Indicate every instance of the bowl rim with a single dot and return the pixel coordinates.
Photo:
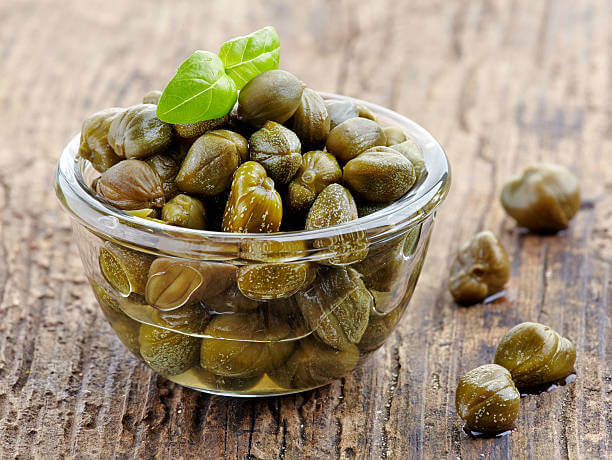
(159, 238)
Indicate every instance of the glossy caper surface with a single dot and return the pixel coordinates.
(487, 400)
(278, 149)
(354, 136)
(535, 354)
(125, 269)
(185, 211)
(94, 144)
(311, 121)
(481, 268)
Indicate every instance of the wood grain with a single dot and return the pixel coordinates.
(501, 84)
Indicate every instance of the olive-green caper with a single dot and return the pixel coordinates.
(277, 149)
(340, 111)
(487, 400)
(245, 344)
(379, 176)
(365, 112)
(210, 163)
(394, 135)
(125, 270)
(193, 130)
(273, 95)
(131, 184)
(152, 97)
(382, 268)
(196, 377)
(311, 120)
(314, 364)
(543, 199)
(272, 281)
(184, 211)
(166, 351)
(481, 268)
(335, 205)
(166, 168)
(365, 208)
(230, 301)
(253, 206)
(318, 169)
(354, 136)
(137, 132)
(380, 327)
(535, 354)
(412, 152)
(94, 144)
(172, 283)
(337, 306)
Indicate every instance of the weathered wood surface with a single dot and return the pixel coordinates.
(501, 84)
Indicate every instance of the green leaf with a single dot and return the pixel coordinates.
(200, 90)
(248, 56)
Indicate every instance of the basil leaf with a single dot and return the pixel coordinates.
(200, 90)
(248, 56)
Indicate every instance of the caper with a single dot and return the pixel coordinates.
(412, 152)
(314, 364)
(365, 208)
(94, 144)
(172, 283)
(137, 132)
(337, 306)
(340, 111)
(230, 301)
(131, 184)
(125, 269)
(481, 268)
(273, 95)
(335, 205)
(210, 163)
(277, 149)
(394, 135)
(487, 400)
(200, 378)
(245, 344)
(543, 199)
(354, 136)
(253, 206)
(311, 120)
(535, 354)
(317, 170)
(185, 211)
(193, 130)
(380, 327)
(272, 281)
(382, 268)
(166, 351)
(152, 97)
(379, 176)
(166, 168)
(365, 112)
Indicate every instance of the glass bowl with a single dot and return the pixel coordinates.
(255, 314)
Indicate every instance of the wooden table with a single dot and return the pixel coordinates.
(501, 84)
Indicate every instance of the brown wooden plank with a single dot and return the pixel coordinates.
(501, 84)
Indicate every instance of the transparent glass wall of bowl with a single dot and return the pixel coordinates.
(253, 314)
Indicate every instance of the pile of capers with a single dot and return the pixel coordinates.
(283, 159)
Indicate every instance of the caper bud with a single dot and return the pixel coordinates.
(254, 206)
(138, 133)
(354, 136)
(131, 184)
(379, 176)
(245, 344)
(152, 97)
(487, 400)
(278, 150)
(193, 130)
(412, 152)
(365, 208)
(172, 283)
(125, 269)
(337, 307)
(364, 112)
(311, 120)
(394, 135)
(171, 353)
(230, 301)
(210, 163)
(125, 327)
(314, 364)
(166, 168)
(272, 281)
(535, 354)
(273, 95)
(196, 377)
(481, 268)
(380, 327)
(185, 211)
(383, 265)
(340, 111)
(317, 170)
(94, 144)
(543, 199)
(335, 205)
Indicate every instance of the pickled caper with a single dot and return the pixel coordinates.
(193, 130)
(311, 121)
(412, 152)
(354, 136)
(278, 150)
(166, 168)
(380, 327)
(184, 211)
(125, 269)
(94, 144)
(394, 135)
(152, 97)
